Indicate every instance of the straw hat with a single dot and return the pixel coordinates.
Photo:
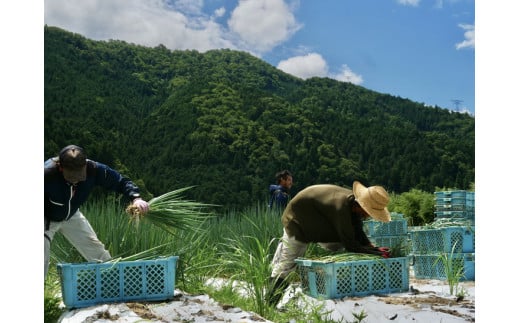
(373, 200)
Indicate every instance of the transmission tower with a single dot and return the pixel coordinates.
(457, 102)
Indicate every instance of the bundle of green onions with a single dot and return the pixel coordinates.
(344, 257)
(448, 222)
(152, 253)
(171, 212)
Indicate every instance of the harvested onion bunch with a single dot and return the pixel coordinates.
(343, 257)
(171, 212)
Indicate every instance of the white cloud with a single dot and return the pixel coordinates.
(469, 37)
(263, 24)
(220, 12)
(187, 6)
(305, 66)
(414, 3)
(313, 64)
(346, 75)
(144, 22)
(255, 25)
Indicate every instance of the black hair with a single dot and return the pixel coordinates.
(282, 175)
(72, 156)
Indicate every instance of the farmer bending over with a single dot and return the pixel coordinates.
(331, 216)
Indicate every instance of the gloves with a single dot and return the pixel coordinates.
(141, 205)
(379, 251)
(385, 252)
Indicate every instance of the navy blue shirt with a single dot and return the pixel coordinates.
(279, 196)
(63, 199)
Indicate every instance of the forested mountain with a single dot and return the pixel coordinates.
(226, 121)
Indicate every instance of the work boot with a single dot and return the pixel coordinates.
(276, 288)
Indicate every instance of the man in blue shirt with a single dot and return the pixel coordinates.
(68, 180)
(280, 193)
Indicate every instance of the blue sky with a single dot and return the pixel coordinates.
(422, 50)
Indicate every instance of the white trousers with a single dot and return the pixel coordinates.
(283, 260)
(289, 249)
(79, 233)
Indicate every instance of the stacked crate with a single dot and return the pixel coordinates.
(393, 234)
(449, 240)
(454, 244)
(458, 205)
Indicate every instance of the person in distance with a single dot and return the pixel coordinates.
(280, 192)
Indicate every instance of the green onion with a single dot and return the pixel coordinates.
(344, 257)
(171, 212)
(448, 222)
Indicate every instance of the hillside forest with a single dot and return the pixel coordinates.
(225, 122)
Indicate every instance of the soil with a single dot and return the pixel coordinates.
(427, 300)
(436, 303)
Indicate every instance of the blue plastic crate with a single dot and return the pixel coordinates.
(94, 283)
(469, 215)
(454, 201)
(432, 267)
(454, 207)
(428, 241)
(397, 226)
(353, 278)
(455, 194)
(396, 216)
